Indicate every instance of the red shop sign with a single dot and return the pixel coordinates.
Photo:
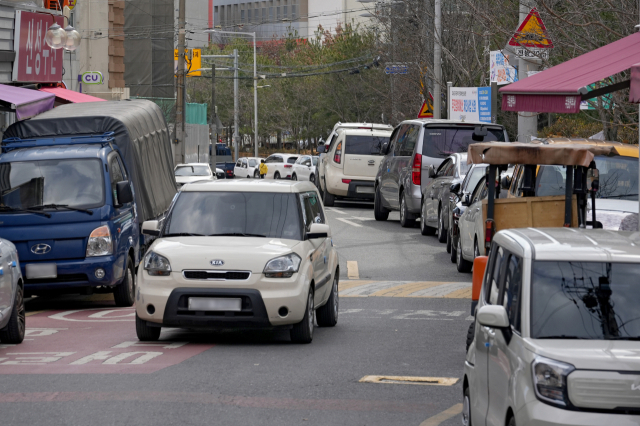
(35, 61)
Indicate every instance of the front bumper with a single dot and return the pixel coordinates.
(537, 413)
(262, 297)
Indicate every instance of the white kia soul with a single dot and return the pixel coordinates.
(240, 254)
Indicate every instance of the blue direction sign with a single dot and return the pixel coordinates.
(396, 69)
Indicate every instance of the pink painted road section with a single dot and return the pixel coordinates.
(91, 341)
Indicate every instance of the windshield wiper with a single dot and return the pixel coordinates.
(182, 234)
(61, 206)
(560, 337)
(237, 234)
(13, 209)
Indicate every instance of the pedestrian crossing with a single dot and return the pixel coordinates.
(433, 289)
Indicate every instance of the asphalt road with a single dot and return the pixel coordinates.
(404, 314)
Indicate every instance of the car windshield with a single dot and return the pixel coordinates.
(192, 171)
(364, 145)
(618, 178)
(71, 182)
(253, 163)
(440, 142)
(585, 300)
(267, 214)
(314, 160)
(474, 178)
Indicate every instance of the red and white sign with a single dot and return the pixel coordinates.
(35, 61)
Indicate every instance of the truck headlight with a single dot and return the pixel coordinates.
(156, 265)
(283, 266)
(550, 380)
(100, 243)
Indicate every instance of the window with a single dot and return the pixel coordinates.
(116, 174)
(311, 211)
(249, 15)
(253, 163)
(315, 160)
(512, 288)
(239, 163)
(242, 16)
(479, 189)
(399, 140)
(364, 145)
(244, 163)
(256, 15)
(278, 13)
(517, 175)
(284, 12)
(440, 142)
(442, 170)
(293, 11)
(271, 13)
(264, 14)
(291, 160)
(493, 279)
(410, 141)
(472, 179)
(274, 159)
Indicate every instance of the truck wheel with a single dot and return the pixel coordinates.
(327, 315)
(302, 332)
(471, 333)
(462, 264)
(124, 293)
(327, 199)
(379, 212)
(14, 331)
(146, 333)
(405, 221)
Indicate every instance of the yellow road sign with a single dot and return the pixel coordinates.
(427, 108)
(532, 33)
(193, 62)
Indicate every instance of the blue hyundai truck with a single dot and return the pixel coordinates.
(76, 183)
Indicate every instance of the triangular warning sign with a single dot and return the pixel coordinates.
(427, 108)
(532, 33)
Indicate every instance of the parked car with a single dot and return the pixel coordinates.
(435, 196)
(305, 168)
(12, 311)
(247, 167)
(193, 172)
(349, 168)
(252, 253)
(471, 228)
(415, 146)
(77, 183)
(556, 334)
(280, 166)
(458, 193)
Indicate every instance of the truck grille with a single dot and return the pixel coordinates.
(605, 390)
(217, 275)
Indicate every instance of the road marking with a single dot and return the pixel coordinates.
(404, 314)
(411, 380)
(333, 209)
(28, 314)
(441, 417)
(352, 270)
(341, 219)
(437, 289)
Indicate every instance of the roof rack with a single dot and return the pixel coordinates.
(10, 144)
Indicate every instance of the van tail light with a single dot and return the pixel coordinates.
(288, 166)
(488, 234)
(347, 181)
(337, 157)
(416, 171)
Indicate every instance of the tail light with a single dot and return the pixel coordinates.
(288, 166)
(347, 181)
(488, 234)
(416, 171)
(337, 157)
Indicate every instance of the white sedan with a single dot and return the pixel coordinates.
(305, 168)
(12, 312)
(193, 172)
(240, 254)
(247, 167)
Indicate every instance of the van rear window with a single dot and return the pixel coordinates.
(364, 145)
(440, 142)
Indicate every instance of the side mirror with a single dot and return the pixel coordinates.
(493, 316)
(455, 187)
(505, 182)
(432, 171)
(385, 148)
(479, 266)
(466, 200)
(321, 148)
(319, 230)
(125, 195)
(150, 227)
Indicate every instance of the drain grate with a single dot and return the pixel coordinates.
(411, 380)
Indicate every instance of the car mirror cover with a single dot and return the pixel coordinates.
(493, 316)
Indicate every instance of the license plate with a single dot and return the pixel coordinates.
(214, 304)
(364, 189)
(41, 270)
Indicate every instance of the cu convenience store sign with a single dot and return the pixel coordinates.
(35, 61)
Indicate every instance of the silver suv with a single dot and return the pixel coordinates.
(416, 149)
(12, 313)
(556, 335)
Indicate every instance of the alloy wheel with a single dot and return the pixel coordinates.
(336, 301)
(466, 412)
(458, 251)
(311, 314)
(21, 311)
(132, 284)
(402, 209)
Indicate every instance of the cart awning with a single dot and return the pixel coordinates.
(66, 96)
(561, 88)
(26, 103)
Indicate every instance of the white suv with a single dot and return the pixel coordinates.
(556, 339)
(280, 166)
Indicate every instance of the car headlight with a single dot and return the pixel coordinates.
(550, 380)
(100, 243)
(156, 265)
(283, 266)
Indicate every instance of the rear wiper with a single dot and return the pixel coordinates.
(182, 234)
(559, 337)
(13, 209)
(62, 206)
(237, 234)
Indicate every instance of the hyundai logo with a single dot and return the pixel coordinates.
(217, 262)
(41, 249)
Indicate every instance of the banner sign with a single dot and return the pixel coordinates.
(470, 104)
(92, 77)
(35, 61)
(501, 70)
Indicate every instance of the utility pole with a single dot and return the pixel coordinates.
(213, 127)
(180, 86)
(437, 60)
(236, 133)
(527, 121)
(255, 95)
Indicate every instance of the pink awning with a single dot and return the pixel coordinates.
(560, 88)
(69, 96)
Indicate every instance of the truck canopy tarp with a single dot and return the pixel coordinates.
(140, 132)
(569, 154)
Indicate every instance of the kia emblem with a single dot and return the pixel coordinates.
(41, 249)
(217, 262)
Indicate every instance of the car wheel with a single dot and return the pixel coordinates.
(256, 175)
(379, 212)
(14, 330)
(454, 250)
(276, 175)
(462, 264)
(302, 332)
(327, 315)
(312, 178)
(512, 421)
(466, 408)
(424, 228)
(294, 177)
(124, 293)
(405, 222)
(442, 237)
(327, 199)
(449, 240)
(146, 333)
(471, 334)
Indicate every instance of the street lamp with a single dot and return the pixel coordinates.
(58, 38)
